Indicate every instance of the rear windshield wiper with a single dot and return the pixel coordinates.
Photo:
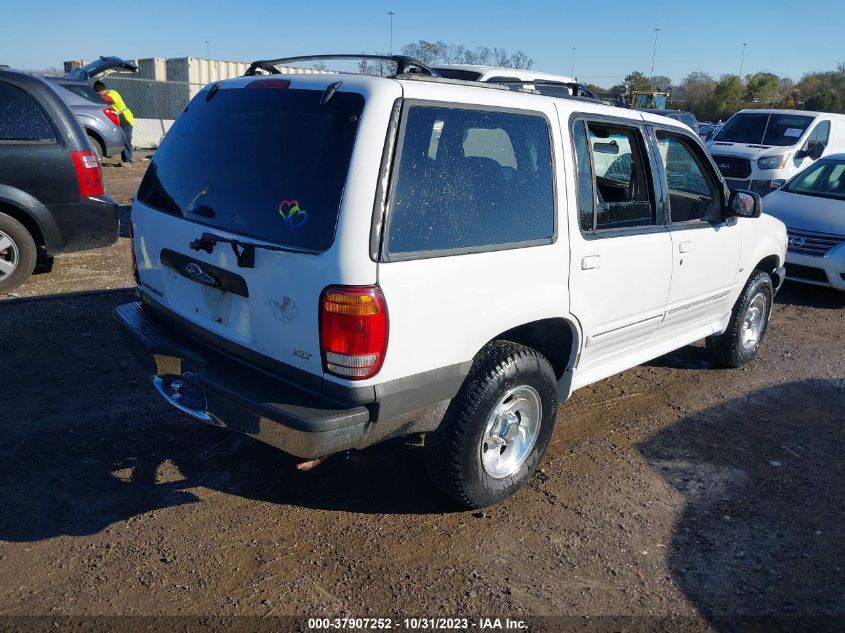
(244, 251)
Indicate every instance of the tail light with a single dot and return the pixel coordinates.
(353, 331)
(135, 274)
(111, 113)
(88, 173)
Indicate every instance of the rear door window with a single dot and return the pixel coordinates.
(471, 179)
(268, 163)
(21, 118)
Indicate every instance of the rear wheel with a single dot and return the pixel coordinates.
(95, 145)
(17, 253)
(749, 320)
(497, 428)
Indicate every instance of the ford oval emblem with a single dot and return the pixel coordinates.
(797, 242)
(193, 269)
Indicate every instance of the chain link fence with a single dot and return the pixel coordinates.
(150, 99)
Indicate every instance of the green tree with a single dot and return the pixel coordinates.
(827, 101)
(762, 89)
(727, 96)
(635, 80)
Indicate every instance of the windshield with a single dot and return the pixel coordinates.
(649, 101)
(763, 128)
(82, 90)
(268, 163)
(826, 179)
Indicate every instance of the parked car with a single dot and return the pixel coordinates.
(756, 149)
(432, 257)
(98, 119)
(544, 83)
(687, 118)
(812, 205)
(51, 186)
(706, 129)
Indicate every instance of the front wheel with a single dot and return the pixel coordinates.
(497, 428)
(749, 320)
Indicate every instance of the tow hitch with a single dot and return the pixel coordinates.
(184, 392)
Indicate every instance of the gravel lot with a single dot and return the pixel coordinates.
(674, 489)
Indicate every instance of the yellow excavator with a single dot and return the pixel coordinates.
(648, 100)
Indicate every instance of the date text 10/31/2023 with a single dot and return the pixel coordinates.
(414, 624)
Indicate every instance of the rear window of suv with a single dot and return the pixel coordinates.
(267, 163)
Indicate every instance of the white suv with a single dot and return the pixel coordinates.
(328, 261)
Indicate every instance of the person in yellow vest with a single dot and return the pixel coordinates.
(127, 121)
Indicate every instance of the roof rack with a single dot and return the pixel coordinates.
(411, 68)
(404, 64)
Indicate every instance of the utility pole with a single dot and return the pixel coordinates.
(654, 54)
(573, 62)
(391, 13)
(208, 49)
(742, 60)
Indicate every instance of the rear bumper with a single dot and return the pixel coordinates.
(218, 389)
(89, 223)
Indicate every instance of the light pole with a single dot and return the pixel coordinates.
(208, 49)
(742, 60)
(654, 54)
(573, 62)
(391, 13)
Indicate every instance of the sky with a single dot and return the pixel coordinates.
(610, 37)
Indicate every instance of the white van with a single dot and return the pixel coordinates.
(762, 149)
(544, 83)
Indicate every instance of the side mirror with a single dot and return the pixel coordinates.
(744, 204)
(815, 150)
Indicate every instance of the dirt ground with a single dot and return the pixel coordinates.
(674, 490)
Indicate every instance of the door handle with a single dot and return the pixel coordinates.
(685, 247)
(590, 261)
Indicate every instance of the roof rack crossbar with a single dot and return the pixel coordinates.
(404, 64)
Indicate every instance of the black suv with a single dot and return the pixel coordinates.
(51, 185)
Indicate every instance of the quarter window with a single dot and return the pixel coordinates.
(21, 118)
(471, 179)
(616, 173)
(691, 190)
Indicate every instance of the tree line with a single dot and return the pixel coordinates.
(712, 100)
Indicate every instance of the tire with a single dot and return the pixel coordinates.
(749, 321)
(95, 145)
(518, 383)
(17, 253)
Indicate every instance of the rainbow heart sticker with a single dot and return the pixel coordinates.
(292, 214)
